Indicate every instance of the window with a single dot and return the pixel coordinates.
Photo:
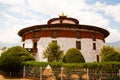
(61, 21)
(94, 46)
(23, 38)
(97, 58)
(78, 34)
(36, 34)
(54, 34)
(94, 37)
(103, 40)
(78, 45)
(34, 45)
(23, 45)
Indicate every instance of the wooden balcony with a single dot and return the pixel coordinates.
(32, 50)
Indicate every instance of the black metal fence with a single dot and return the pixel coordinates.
(73, 73)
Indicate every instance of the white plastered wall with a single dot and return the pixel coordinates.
(67, 43)
(28, 43)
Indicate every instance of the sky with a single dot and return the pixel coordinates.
(18, 14)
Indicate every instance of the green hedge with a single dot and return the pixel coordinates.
(97, 65)
(35, 63)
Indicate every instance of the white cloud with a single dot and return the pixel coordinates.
(10, 35)
(9, 19)
(43, 6)
(55, 7)
(31, 22)
(12, 1)
(92, 18)
(114, 35)
(110, 10)
(19, 9)
(22, 11)
(26, 15)
(13, 25)
(79, 9)
(70, 8)
(114, 11)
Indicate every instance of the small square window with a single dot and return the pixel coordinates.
(36, 34)
(97, 58)
(94, 46)
(23, 45)
(54, 34)
(78, 34)
(34, 45)
(94, 37)
(78, 45)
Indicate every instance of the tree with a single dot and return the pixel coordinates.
(109, 54)
(106, 49)
(73, 55)
(11, 60)
(114, 56)
(53, 53)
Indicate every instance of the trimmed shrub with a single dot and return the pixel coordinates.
(94, 65)
(11, 60)
(73, 55)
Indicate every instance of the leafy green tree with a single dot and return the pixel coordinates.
(73, 55)
(109, 54)
(112, 56)
(106, 49)
(53, 53)
(11, 60)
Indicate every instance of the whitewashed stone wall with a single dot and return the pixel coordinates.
(28, 43)
(87, 51)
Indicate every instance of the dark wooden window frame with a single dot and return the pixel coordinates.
(23, 45)
(94, 37)
(54, 34)
(98, 58)
(78, 34)
(36, 34)
(78, 45)
(34, 45)
(94, 46)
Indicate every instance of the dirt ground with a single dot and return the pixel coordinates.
(3, 78)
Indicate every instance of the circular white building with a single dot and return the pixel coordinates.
(68, 33)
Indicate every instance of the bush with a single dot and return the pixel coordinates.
(94, 65)
(73, 55)
(111, 56)
(11, 60)
(43, 64)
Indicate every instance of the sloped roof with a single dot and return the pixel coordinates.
(64, 26)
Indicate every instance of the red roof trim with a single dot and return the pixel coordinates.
(67, 26)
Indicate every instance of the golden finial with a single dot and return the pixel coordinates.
(62, 15)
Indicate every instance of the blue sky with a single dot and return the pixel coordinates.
(18, 14)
